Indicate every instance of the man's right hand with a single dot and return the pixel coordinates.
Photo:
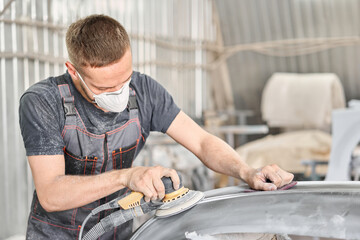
(147, 180)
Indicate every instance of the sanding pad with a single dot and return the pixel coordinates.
(180, 205)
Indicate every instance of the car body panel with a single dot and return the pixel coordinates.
(318, 209)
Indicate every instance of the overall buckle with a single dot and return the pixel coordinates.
(69, 108)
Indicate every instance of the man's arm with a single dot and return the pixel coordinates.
(58, 192)
(220, 157)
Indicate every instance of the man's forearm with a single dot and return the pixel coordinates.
(69, 191)
(220, 157)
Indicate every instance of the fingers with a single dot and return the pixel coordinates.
(140, 181)
(286, 176)
(147, 180)
(159, 188)
(171, 173)
(277, 176)
(260, 183)
(271, 173)
(149, 193)
(265, 186)
(270, 178)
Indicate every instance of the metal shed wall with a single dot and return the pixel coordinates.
(328, 31)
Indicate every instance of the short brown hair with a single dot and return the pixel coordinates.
(96, 41)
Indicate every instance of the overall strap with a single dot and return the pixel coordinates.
(68, 102)
(69, 105)
(132, 106)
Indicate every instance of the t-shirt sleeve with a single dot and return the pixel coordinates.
(164, 109)
(40, 127)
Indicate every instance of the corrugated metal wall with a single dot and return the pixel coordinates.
(167, 38)
(308, 25)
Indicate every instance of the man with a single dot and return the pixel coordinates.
(83, 129)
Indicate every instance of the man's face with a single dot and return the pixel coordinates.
(109, 78)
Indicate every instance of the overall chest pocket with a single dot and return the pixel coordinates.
(123, 157)
(79, 165)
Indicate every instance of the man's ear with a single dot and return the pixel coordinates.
(71, 69)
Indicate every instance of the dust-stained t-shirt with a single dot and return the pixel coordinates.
(42, 116)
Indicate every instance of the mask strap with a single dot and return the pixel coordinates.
(84, 82)
(93, 101)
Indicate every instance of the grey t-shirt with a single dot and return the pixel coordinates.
(42, 116)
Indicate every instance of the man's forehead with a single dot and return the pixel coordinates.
(102, 75)
(121, 68)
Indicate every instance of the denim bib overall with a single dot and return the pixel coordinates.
(87, 154)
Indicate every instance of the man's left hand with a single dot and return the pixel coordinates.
(268, 178)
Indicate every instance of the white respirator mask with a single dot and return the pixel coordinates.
(111, 101)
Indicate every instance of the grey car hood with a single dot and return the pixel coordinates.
(319, 209)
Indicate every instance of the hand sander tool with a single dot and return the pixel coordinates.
(133, 205)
